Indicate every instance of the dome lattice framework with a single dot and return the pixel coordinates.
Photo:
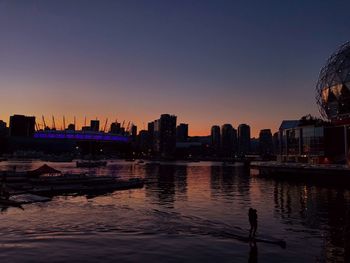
(333, 86)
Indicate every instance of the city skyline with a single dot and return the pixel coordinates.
(203, 62)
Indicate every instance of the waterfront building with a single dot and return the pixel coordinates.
(265, 143)
(215, 139)
(95, 125)
(115, 128)
(3, 129)
(165, 135)
(22, 126)
(275, 143)
(182, 132)
(228, 137)
(143, 142)
(2, 125)
(150, 130)
(243, 139)
(311, 140)
(316, 141)
(133, 132)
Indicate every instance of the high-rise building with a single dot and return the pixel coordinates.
(165, 135)
(95, 125)
(243, 139)
(182, 132)
(2, 125)
(227, 140)
(143, 142)
(215, 139)
(133, 132)
(3, 128)
(150, 130)
(22, 126)
(115, 128)
(265, 142)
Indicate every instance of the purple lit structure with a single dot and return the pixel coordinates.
(80, 135)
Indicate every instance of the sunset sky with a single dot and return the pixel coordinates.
(208, 62)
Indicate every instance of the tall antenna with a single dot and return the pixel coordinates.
(75, 123)
(64, 123)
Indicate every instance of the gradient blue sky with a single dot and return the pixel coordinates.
(208, 62)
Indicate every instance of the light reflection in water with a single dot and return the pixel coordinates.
(186, 212)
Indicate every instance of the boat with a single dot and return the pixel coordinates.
(91, 164)
(21, 199)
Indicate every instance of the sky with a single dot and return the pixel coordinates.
(208, 62)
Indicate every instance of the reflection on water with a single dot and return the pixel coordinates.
(185, 213)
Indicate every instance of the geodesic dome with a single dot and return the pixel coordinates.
(333, 86)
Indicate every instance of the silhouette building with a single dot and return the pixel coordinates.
(265, 142)
(143, 142)
(3, 128)
(2, 125)
(165, 135)
(227, 140)
(150, 130)
(95, 125)
(243, 139)
(215, 139)
(182, 132)
(133, 132)
(115, 128)
(22, 126)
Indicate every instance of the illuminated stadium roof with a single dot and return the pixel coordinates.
(80, 135)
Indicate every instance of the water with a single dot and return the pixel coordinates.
(190, 212)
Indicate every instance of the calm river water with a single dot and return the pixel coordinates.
(187, 212)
